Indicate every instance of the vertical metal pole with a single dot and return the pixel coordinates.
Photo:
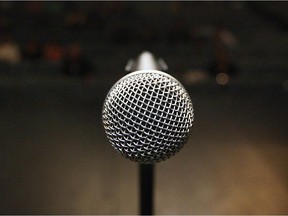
(146, 189)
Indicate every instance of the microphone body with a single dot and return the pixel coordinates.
(147, 115)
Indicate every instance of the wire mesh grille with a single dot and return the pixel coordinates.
(147, 116)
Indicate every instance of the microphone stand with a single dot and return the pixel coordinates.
(146, 188)
(146, 61)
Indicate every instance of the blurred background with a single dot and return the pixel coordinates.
(59, 59)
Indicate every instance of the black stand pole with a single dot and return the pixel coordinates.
(146, 189)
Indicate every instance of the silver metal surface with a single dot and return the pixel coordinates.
(147, 116)
(146, 60)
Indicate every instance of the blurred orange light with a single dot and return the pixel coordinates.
(222, 79)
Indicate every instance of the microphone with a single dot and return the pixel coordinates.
(147, 115)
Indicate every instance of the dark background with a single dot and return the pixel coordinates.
(54, 155)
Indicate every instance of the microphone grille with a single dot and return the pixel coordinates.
(147, 116)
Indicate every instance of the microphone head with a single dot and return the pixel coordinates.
(147, 116)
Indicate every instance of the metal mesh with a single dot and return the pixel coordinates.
(147, 116)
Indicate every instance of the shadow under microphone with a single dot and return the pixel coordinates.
(147, 115)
